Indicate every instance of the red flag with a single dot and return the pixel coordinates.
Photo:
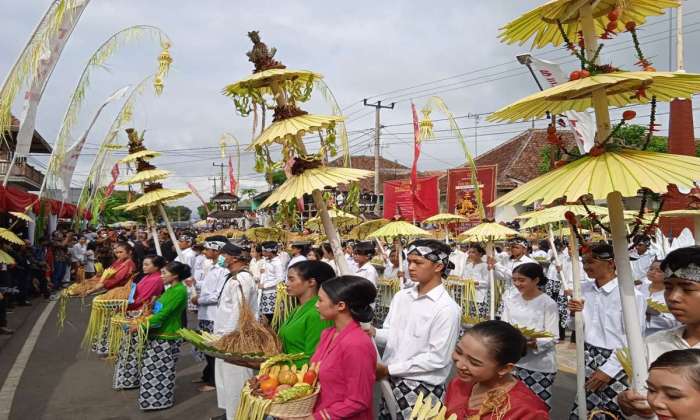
(115, 175)
(231, 178)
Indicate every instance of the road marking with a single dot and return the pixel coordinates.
(7, 392)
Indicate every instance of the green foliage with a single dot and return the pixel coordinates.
(249, 192)
(634, 135)
(202, 212)
(278, 177)
(545, 159)
(178, 213)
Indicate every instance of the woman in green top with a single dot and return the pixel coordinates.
(301, 331)
(157, 389)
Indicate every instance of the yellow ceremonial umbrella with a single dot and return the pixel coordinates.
(6, 258)
(143, 154)
(22, 216)
(695, 214)
(290, 128)
(262, 234)
(620, 87)
(398, 228)
(541, 22)
(445, 219)
(339, 218)
(489, 232)
(259, 83)
(153, 198)
(361, 231)
(556, 214)
(146, 176)
(316, 179)
(10, 236)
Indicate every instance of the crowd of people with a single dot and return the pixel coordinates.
(487, 369)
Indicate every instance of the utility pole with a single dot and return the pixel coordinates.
(476, 118)
(221, 166)
(377, 128)
(213, 184)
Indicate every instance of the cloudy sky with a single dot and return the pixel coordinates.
(394, 51)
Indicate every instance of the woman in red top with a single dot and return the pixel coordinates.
(149, 285)
(347, 357)
(485, 388)
(124, 267)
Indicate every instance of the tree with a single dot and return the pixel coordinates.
(249, 192)
(634, 135)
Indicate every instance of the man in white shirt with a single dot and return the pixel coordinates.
(299, 251)
(272, 272)
(503, 271)
(604, 330)
(207, 300)
(458, 258)
(682, 281)
(188, 257)
(641, 257)
(420, 331)
(363, 252)
(348, 254)
(77, 254)
(239, 286)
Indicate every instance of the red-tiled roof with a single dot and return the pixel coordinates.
(518, 159)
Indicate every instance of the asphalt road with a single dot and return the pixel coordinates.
(63, 382)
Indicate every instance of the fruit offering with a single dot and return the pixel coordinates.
(278, 387)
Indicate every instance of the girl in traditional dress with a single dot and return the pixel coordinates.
(345, 353)
(272, 272)
(477, 270)
(653, 290)
(157, 382)
(673, 387)
(147, 286)
(301, 330)
(485, 388)
(124, 267)
(529, 307)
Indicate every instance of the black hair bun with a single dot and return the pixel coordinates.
(363, 313)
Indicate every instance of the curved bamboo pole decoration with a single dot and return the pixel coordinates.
(341, 130)
(107, 146)
(97, 60)
(28, 61)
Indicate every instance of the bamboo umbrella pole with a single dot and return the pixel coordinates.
(578, 328)
(492, 281)
(635, 341)
(173, 238)
(154, 232)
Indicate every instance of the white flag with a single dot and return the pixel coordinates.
(581, 123)
(70, 160)
(47, 62)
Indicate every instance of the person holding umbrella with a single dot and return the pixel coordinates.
(604, 329)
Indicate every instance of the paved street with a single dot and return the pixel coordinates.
(61, 382)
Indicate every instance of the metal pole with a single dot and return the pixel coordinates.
(680, 64)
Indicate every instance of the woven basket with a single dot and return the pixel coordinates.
(249, 361)
(302, 407)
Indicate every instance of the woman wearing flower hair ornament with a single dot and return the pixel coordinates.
(420, 330)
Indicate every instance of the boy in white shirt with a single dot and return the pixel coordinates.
(363, 252)
(420, 331)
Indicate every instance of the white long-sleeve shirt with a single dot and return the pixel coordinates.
(210, 291)
(273, 273)
(459, 259)
(603, 322)
(369, 272)
(419, 334)
(503, 271)
(540, 314)
(641, 263)
(352, 265)
(654, 320)
(478, 272)
(229, 305)
(188, 257)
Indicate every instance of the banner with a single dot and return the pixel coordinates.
(70, 160)
(231, 177)
(47, 62)
(460, 192)
(115, 175)
(416, 150)
(581, 123)
(399, 199)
